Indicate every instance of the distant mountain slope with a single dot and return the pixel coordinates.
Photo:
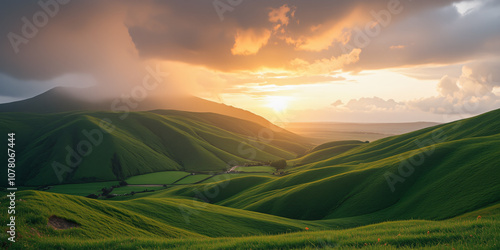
(326, 151)
(62, 99)
(141, 143)
(434, 173)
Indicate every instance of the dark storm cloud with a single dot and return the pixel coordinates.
(436, 36)
(191, 31)
(51, 49)
(79, 38)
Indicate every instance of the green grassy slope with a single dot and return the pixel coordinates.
(82, 189)
(140, 143)
(267, 169)
(467, 234)
(481, 126)
(193, 179)
(159, 178)
(325, 151)
(437, 173)
(225, 177)
(400, 182)
(335, 144)
(132, 225)
(128, 189)
(143, 217)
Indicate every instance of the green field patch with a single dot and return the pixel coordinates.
(223, 177)
(82, 189)
(256, 169)
(159, 178)
(129, 189)
(193, 179)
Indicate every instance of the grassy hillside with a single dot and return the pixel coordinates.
(143, 217)
(325, 151)
(139, 143)
(481, 126)
(188, 224)
(435, 173)
(260, 169)
(68, 99)
(335, 144)
(82, 189)
(466, 234)
(158, 178)
(390, 188)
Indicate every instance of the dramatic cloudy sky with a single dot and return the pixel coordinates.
(315, 60)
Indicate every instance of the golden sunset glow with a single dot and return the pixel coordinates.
(278, 103)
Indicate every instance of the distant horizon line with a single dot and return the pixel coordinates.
(344, 122)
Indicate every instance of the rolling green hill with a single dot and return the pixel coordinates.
(76, 146)
(325, 151)
(434, 173)
(171, 217)
(188, 224)
(437, 187)
(335, 144)
(69, 99)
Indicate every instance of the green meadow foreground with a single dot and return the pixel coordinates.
(159, 223)
(434, 188)
(125, 225)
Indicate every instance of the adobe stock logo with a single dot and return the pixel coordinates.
(40, 19)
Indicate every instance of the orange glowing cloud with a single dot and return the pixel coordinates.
(280, 15)
(323, 36)
(249, 42)
(397, 47)
(326, 66)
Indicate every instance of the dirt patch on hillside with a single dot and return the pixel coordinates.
(59, 223)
